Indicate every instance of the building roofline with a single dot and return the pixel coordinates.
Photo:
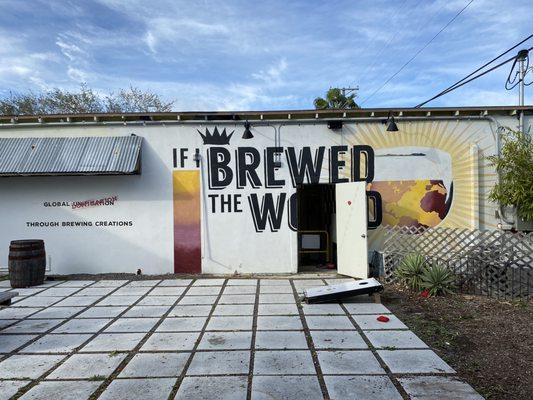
(204, 116)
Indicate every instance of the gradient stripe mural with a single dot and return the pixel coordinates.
(187, 220)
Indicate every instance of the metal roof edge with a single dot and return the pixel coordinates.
(210, 116)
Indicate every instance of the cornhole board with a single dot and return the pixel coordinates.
(332, 293)
(5, 298)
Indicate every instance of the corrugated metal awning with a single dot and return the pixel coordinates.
(100, 155)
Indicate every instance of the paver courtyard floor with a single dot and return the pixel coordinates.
(210, 339)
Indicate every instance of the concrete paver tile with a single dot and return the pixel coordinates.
(277, 340)
(438, 388)
(87, 366)
(329, 322)
(226, 341)
(370, 322)
(349, 362)
(281, 362)
(132, 325)
(171, 341)
(33, 326)
(154, 365)
(190, 311)
(361, 387)
(138, 389)
(286, 387)
(277, 309)
(79, 325)
(279, 323)
(213, 387)
(414, 362)
(110, 342)
(56, 344)
(397, 339)
(182, 324)
(61, 390)
(219, 363)
(9, 388)
(227, 323)
(8, 343)
(102, 312)
(338, 340)
(27, 366)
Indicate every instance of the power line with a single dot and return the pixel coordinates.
(418, 52)
(478, 76)
(392, 37)
(453, 87)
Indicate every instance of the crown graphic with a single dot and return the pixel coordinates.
(216, 137)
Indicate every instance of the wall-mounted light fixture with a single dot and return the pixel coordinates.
(247, 132)
(391, 124)
(335, 125)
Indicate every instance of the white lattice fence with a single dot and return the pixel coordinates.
(495, 263)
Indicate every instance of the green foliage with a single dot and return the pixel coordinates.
(335, 100)
(438, 279)
(411, 270)
(515, 168)
(86, 100)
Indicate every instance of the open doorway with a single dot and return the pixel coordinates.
(316, 227)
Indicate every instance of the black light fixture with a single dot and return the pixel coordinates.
(335, 125)
(247, 132)
(391, 124)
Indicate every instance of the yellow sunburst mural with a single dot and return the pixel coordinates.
(464, 143)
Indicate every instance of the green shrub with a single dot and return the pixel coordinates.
(411, 270)
(515, 169)
(438, 279)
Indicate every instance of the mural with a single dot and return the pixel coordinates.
(420, 203)
(187, 230)
(415, 184)
(423, 176)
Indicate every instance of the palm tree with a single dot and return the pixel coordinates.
(335, 99)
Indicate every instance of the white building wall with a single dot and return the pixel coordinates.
(230, 242)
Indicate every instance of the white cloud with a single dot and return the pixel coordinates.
(77, 74)
(150, 41)
(174, 31)
(69, 50)
(273, 74)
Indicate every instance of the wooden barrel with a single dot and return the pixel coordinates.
(27, 263)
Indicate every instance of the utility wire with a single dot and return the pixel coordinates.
(369, 68)
(376, 58)
(418, 52)
(453, 87)
(392, 37)
(479, 76)
(395, 36)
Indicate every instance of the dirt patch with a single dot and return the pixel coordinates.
(487, 341)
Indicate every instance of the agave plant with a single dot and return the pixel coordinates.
(411, 270)
(438, 279)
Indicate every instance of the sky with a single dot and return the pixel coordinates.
(262, 55)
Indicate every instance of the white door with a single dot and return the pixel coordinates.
(351, 221)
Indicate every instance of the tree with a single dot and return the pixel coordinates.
(335, 99)
(86, 100)
(515, 168)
